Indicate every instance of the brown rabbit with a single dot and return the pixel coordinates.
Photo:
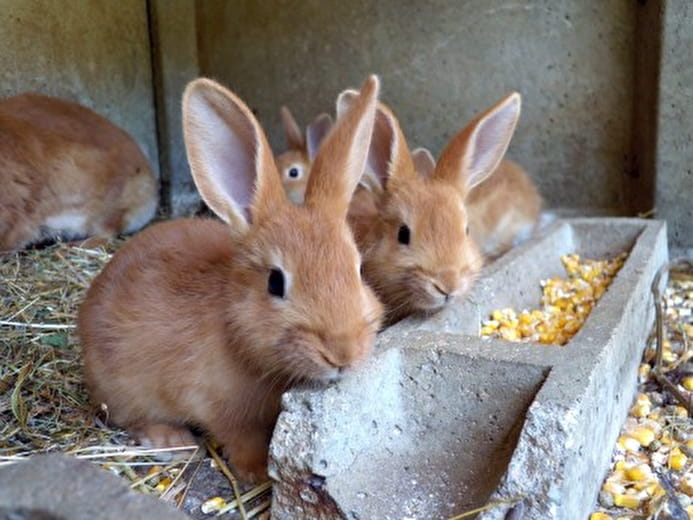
(199, 322)
(411, 228)
(67, 172)
(503, 210)
(294, 164)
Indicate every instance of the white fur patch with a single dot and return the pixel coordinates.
(68, 223)
(137, 218)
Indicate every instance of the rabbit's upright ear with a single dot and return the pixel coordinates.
(315, 133)
(476, 151)
(424, 163)
(389, 158)
(341, 158)
(231, 162)
(294, 136)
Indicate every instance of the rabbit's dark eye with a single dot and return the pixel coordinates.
(403, 236)
(275, 283)
(466, 230)
(293, 172)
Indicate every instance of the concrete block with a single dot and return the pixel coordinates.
(440, 421)
(60, 487)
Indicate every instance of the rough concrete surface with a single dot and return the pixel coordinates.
(95, 53)
(441, 62)
(674, 198)
(59, 487)
(440, 421)
(174, 52)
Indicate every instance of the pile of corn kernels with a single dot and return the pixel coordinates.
(566, 303)
(651, 475)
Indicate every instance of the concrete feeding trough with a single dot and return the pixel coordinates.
(439, 421)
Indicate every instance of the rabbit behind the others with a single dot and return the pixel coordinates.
(67, 172)
(204, 323)
(294, 164)
(412, 228)
(503, 211)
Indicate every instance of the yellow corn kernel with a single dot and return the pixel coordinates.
(628, 443)
(644, 371)
(497, 315)
(680, 412)
(686, 485)
(509, 334)
(613, 487)
(213, 505)
(643, 435)
(677, 460)
(629, 501)
(687, 383)
(639, 472)
(488, 331)
(163, 484)
(600, 516)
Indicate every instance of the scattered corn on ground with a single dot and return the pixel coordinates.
(44, 406)
(651, 475)
(566, 303)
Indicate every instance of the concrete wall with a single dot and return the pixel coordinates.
(442, 61)
(174, 46)
(674, 188)
(606, 124)
(93, 52)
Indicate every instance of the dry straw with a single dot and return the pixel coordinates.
(43, 403)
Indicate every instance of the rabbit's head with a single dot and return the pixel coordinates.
(414, 235)
(299, 306)
(294, 164)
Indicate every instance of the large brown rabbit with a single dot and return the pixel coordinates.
(67, 172)
(413, 229)
(504, 210)
(206, 323)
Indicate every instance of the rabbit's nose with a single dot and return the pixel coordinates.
(447, 283)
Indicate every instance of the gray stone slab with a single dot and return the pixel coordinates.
(59, 487)
(440, 421)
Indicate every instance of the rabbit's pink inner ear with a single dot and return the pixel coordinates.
(227, 151)
(389, 156)
(316, 133)
(341, 159)
(491, 138)
(424, 163)
(473, 154)
(294, 136)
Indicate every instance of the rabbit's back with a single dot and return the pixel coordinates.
(152, 327)
(68, 172)
(504, 209)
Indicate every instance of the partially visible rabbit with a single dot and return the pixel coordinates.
(412, 228)
(503, 210)
(206, 323)
(294, 164)
(67, 172)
